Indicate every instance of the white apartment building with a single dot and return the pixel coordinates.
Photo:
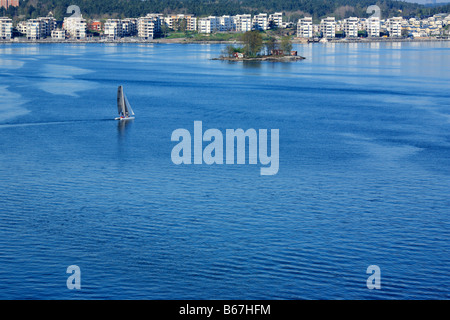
(305, 28)
(75, 27)
(149, 26)
(394, 26)
(172, 20)
(169, 21)
(373, 27)
(328, 27)
(129, 27)
(35, 29)
(362, 24)
(226, 23)
(38, 28)
(204, 25)
(191, 24)
(243, 22)
(210, 24)
(5, 28)
(58, 34)
(339, 26)
(414, 22)
(49, 24)
(260, 22)
(22, 27)
(351, 27)
(276, 19)
(113, 29)
(191, 21)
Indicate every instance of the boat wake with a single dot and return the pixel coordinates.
(45, 123)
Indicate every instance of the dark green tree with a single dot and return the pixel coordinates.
(253, 43)
(271, 44)
(286, 44)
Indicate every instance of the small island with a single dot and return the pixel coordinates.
(273, 58)
(254, 48)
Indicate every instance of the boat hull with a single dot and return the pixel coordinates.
(124, 119)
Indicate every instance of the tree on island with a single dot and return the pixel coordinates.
(253, 43)
(286, 45)
(271, 45)
(230, 50)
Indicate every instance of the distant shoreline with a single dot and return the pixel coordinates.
(187, 41)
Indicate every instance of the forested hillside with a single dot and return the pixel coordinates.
(293, 9)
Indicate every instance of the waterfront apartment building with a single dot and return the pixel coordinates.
(276, 19)
(351, 27)
(5, 28)
(260, 22)
(226, 23)
(174, 21)
(113, 29)
(362, 24)
(373, 27)
(58, 34)
(49, 24)
(149, 26)
(210, 24)
(191, 23)
(243, 22)
(213, 24)
(239, 23)
(35, 29)
(129, 27)
(305, 28)
(204, 25)
(328, 27)
(75, 27)
(169, 21)
(38, 28)
(394, 26)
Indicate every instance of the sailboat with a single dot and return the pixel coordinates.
(123, 106)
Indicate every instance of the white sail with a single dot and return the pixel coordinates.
(123, 106)
(128, 106)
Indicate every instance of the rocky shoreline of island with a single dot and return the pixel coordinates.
(263, 58)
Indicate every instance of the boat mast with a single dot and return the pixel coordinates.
(124, 108)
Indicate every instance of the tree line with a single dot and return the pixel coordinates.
(294, 9)
(253, 45)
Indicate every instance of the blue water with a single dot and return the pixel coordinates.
(364, 175)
